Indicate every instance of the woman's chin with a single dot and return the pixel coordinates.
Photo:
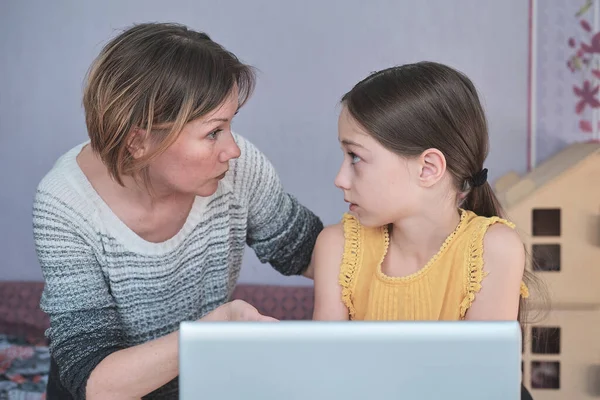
(207, 190)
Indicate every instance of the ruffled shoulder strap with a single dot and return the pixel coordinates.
(475, 273)
(350, 260)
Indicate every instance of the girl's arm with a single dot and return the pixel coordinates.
(503, 265)
(326, 259)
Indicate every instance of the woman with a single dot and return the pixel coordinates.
(145, 226)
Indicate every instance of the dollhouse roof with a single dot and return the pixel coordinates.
(562, 162)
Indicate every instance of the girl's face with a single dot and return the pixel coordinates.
(380, 186)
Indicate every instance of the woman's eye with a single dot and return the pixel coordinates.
(214, 134)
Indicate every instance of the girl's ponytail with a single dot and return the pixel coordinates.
(481, 198)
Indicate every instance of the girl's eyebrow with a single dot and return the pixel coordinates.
(348, 142)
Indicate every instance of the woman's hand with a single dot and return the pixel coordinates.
(155, 362)
(237, 310)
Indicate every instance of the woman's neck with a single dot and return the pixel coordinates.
(132, 191)
(151, 197)
(154, 218)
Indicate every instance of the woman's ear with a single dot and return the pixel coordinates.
(137, 143)
(433, 166)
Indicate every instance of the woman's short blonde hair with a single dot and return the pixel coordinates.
(156, 77)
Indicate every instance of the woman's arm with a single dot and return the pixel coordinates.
(281, 231)
(134, 372)
(84, 324)
(327, 258)
(86, 335)
(503, 263)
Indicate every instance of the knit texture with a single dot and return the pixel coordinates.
(443, 289)
(107, 289)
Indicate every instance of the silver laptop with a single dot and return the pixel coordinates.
(306, 360)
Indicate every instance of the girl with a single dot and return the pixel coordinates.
(424, 238)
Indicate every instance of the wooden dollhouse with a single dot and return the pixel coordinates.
(556, 208)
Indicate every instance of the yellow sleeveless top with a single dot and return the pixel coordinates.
(442, 290)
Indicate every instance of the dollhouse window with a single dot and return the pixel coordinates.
(545, 340)
(546, 257)
(545, 375)
(545, 222)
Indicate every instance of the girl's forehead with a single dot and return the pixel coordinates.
(357, 138)
(350, 129)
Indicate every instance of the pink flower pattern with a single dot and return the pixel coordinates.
(584, 61)
(588, 96)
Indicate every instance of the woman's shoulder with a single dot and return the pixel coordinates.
(62, 169)
(250, 154)
(62, 190)
(251, 171)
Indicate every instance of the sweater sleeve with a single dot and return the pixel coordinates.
(281, 231)
(84, 324)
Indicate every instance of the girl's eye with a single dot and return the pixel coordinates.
(213, 135)
(355, 158)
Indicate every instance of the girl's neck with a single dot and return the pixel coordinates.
(420, 236)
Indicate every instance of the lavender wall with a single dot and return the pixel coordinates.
(308, 54)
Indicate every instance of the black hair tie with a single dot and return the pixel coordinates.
(479, 179)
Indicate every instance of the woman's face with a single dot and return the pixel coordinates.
(199, 158)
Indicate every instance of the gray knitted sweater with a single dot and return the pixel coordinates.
(108, 289)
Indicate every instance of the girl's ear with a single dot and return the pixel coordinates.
(432, 167)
